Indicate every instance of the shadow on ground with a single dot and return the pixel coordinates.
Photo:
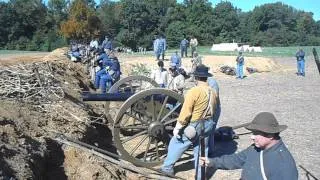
(220, 148)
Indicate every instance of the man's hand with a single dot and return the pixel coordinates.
(204, 161)
(177, 129)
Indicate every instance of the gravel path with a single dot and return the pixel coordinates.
(293, 99)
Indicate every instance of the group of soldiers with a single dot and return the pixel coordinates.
(160, 46)
(268, 156)
(300, 54)
(184, 44)
(174, 78)
(107, 71)
(102, 63)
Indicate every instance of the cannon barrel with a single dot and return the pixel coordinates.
(120, 96)
(87, 96)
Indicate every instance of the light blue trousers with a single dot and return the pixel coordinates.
(105, 82)
(98, 76)
(240, 71)
(301, 67)
(178, 146)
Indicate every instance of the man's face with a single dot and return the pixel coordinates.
(261, 140)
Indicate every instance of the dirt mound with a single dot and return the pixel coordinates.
(214, 62)
(259, 63)
(28, 125)
(56, 54)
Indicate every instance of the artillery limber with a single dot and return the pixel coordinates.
(143, 124)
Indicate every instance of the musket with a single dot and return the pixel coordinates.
(308, 173)
(203, 153)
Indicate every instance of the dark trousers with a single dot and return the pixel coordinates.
(160, 54)
(193, 49)
(184, 51)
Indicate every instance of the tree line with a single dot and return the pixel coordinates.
(35, 25)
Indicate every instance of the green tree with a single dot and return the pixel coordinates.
(5, 23)
(175, 32)
(109, 13)
(226, 22)
(27, 17)
(140, 20)
(278, 24)
(200, 21)
(57, 12)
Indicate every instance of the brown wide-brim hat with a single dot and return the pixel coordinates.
(266, 122)
(202, 71)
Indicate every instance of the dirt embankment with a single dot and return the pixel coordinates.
(214, 62)
(29, 124)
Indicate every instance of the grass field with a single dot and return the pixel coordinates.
(266, 51)
(206, 50)
(6, 52)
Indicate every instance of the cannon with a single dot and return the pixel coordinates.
(130, 84)
(145, 119)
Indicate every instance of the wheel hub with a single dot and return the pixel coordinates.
(156, 129)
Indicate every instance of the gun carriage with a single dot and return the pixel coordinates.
(145, 118)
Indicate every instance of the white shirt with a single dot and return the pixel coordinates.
(193, 42)
(161, 77)
(176, 83)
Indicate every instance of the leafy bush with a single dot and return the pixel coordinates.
(140, 69)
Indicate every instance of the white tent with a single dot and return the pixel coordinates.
(235, 47)
(224, 47)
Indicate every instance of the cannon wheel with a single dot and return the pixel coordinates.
(144, 124)
(132, 84)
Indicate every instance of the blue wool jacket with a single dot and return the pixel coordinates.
(300, 55)
(176, 60)
(278, 163)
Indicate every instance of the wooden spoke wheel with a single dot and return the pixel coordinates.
(132, 84)
(143, 126)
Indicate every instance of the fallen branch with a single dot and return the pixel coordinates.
(123, 164)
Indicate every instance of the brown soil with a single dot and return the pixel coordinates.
(214, 62)
(22, 58)
(27, 130)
